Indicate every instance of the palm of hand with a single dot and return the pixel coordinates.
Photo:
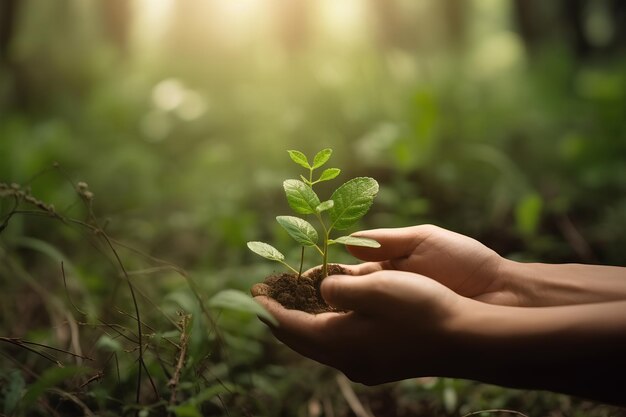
(373, 343)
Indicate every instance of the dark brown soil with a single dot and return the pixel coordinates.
(298, 294)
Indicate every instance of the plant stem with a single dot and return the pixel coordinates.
(325, 256)
(301, 263)
(325, 247)
(289, 266)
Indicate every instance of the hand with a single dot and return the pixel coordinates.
(462, 264)
(404, 325)
(399, 326)
(471, 269)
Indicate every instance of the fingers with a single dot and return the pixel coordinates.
(303, 332)
(360, 293)
(394, 243)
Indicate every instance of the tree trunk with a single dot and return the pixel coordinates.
(116, 19)
(8, 14)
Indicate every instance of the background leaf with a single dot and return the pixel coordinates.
(266, 251)
(322, 157)
(49, 379)
(299, 229)
(12, 391)
(240, 301)
(352, 200)
(528, 214)
(301, 197)
(357, 241)
(299, 158)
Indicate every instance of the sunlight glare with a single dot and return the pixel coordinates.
(342, 19)
(152, 18)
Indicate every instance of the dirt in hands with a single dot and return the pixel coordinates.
(298, 293)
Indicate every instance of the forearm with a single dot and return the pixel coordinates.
(578, 350)
(538, 285)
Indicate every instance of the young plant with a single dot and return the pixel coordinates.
(346, 206)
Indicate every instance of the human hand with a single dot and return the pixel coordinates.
(461, 263)
(399, 325)
(471, 269)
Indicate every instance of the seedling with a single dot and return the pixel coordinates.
(346, 206)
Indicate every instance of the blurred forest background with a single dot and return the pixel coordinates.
(143, 142)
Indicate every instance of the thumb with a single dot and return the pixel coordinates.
(394, 243)
(360, 293)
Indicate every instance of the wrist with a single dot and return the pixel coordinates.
(532, 348)
(542, 285)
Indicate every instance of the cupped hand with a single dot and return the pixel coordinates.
(461, 263)
(399, 325)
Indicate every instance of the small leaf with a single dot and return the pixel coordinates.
(357, 241)
(352, 200)
(299, 158)
(329, 174)
(266, 251)
(106, 342)
(300, 230)
(328, 204)
(239, 301)
(301, 197)
(322, 157)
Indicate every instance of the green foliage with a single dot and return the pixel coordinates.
(299, 229)
(49, 379)
(301, 197)
(347, 205)
(12, 390)
(356, 241)
(351, 201)
(479, 139)
(237, 300)
(265, 250)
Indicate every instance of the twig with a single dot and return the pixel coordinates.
(86, 410)
(184, 340)
(67, 293)
(575, 239)
(496, 410)
(350, 396)
(21, 342)
(36, 352)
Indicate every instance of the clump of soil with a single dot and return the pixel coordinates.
(298, 293)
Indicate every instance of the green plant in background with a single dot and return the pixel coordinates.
(346, 206)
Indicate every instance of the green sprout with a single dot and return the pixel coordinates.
(346, 206)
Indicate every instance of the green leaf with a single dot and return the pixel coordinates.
(51, 377)
(186, 410)
(305, 179)
(266, 251)
(301, 197)
(528, 214)
(326, 205)
(240, 301)
(106, 342)
(322, 157)
(213, 391)
(357, 241)
(299, 158)
(352, 200)
(329, 174)
(13, 391)
(301, 230)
